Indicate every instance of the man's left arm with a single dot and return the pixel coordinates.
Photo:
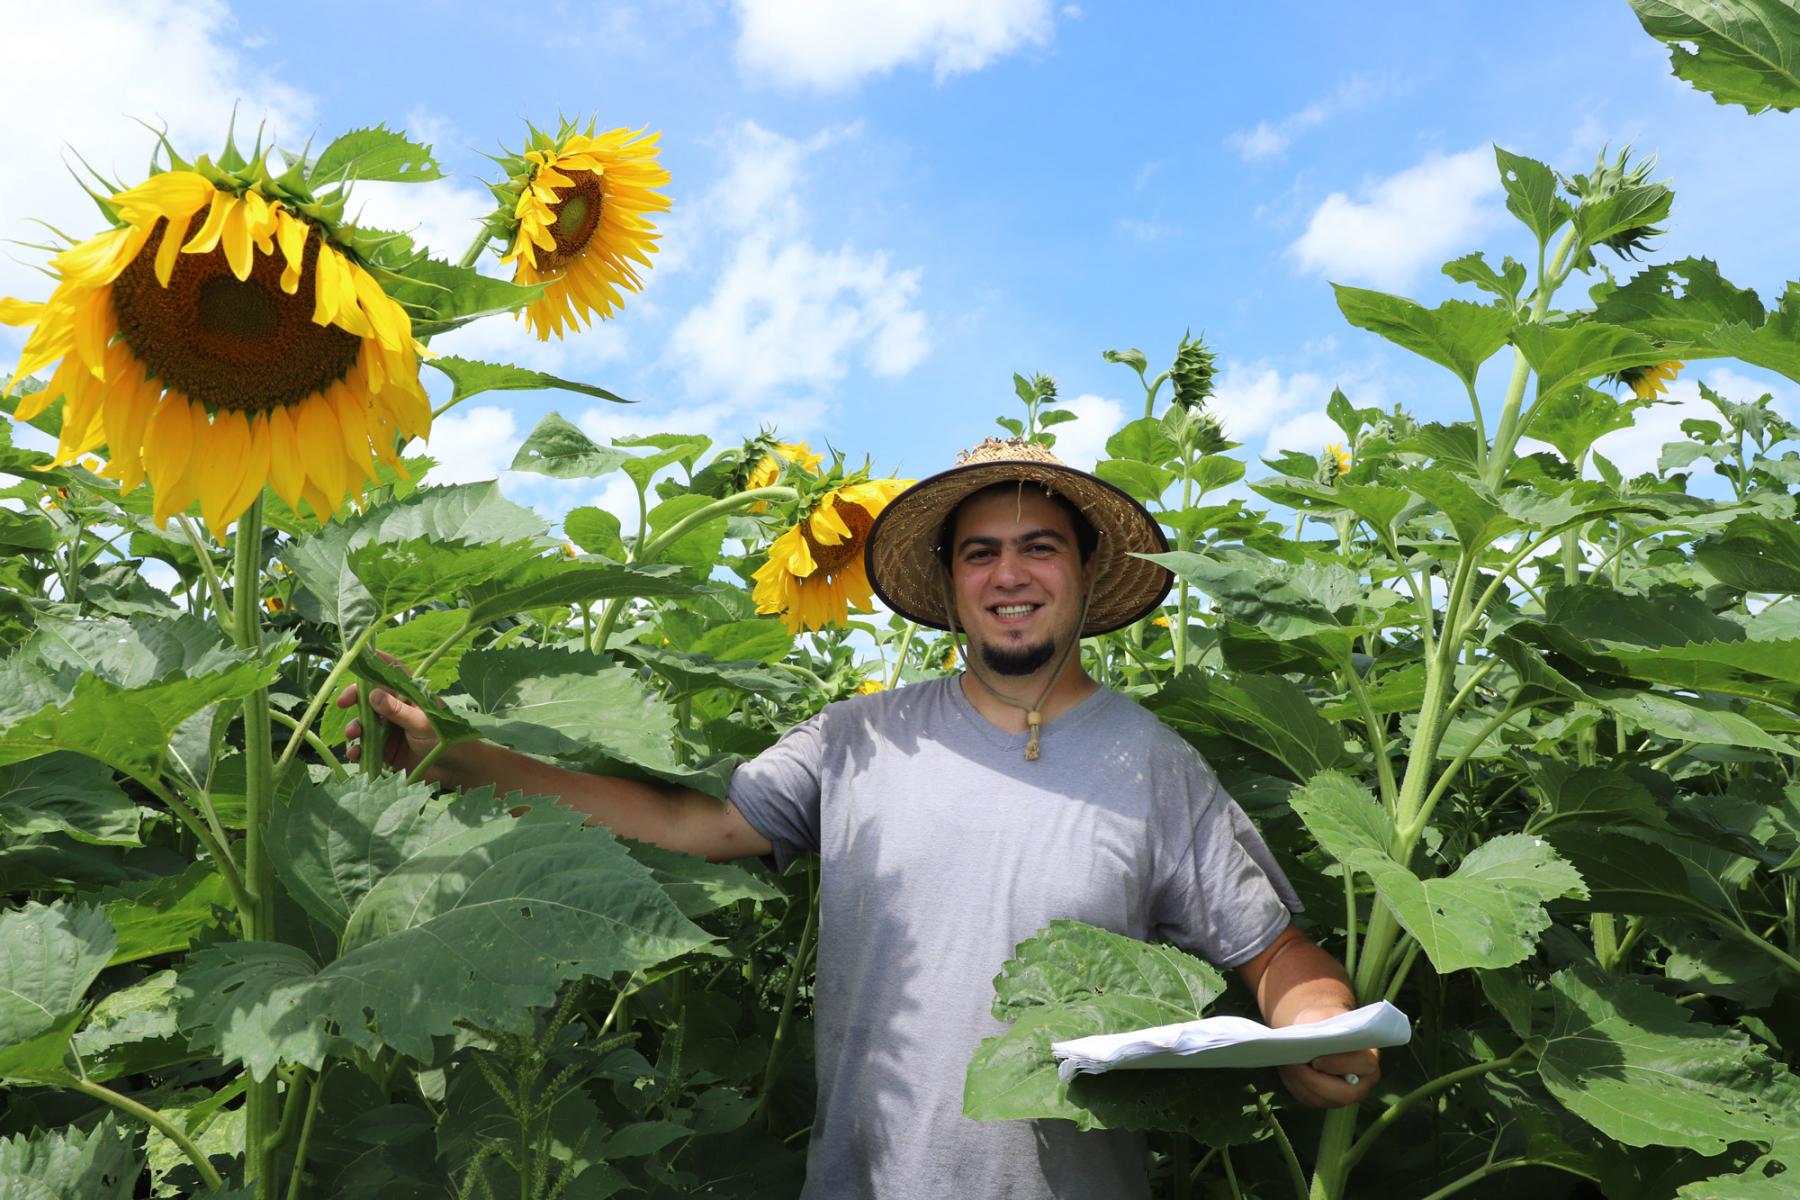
(1294, 982)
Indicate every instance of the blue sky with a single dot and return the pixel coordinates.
(883, 209)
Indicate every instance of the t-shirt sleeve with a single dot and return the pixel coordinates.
(778, 790)
(1223, 897)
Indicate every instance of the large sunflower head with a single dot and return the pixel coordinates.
(574, 212)
(815, 572)
(220, 336)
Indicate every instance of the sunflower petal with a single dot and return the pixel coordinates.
(21, 312)
(127, 447)
(235, 237)
(291, 233)
(170, 247)
(379, 307)
(353, 428)
(321, 450)
(168, 443)
(325, 286)
(94, 327)
(256, 469)
(207, 239)
(224, 457)
(287, 475)
(172, 194)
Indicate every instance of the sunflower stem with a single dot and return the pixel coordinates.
(201, 551)
(261, 1113)
(473, 254)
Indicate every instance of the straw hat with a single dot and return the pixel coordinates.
(901, 554)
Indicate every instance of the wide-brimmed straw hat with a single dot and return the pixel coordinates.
(907, 572)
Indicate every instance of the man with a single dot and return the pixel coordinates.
(956, 818)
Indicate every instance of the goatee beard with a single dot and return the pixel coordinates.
(1025, 660)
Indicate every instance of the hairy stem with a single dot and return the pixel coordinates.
(155, 1120)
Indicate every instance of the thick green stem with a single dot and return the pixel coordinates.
(215, 845)
(1295, 1173)
(332, 679)
(312, 739)
(1509, 430)
(900, 658)
(157, 1121)
(1426, 1091)
(802, 952)
(261, 1115)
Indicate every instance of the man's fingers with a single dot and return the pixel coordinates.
(1363, 1063)
(347, 697)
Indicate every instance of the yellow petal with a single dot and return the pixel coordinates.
(168, 443)
(320, 449)
(207, 239)
(173, 233)
(173, 194)
(94, 327)
(291, 233)
(380, 309)
(226, 451)
(127, 449)
(325, 286)
(235, 237)
(21, 312)
(286, 474)
(256, 470)
(353, 428)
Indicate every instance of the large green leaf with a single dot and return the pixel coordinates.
(1755, 553)
(69, 1164)
(688, 673)
(1681, 301)
(441, 297)
(1267, 712)
(558, 449)
(1284, 601)
(1593, 796)
(1474, 513)
(1738, 51)
(471, 377)
(1072, 980)
(133, 1030)
(569, 705)
(66, 793)
(1343, 816)
(117, 690)
(403, 575)
(1625, 872)
(376, 153)
(1688, 721)
(1488, 912)
(1574, 420)
(49, 956)
(1567, 356)
(697, 886)
(1531, 196)
(160, 916)
(1456, 334)
(1636, 1066)
(559, 581)
(481, 921)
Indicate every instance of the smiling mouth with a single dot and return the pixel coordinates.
(1005, 611)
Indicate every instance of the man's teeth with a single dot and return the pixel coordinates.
(1014, 610)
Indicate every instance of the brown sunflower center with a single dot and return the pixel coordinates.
(832, 559)
(577, 216)
(229, 343)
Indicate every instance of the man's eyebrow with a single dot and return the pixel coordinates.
(1032, 535)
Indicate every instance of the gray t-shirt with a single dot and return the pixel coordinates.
(941, 850)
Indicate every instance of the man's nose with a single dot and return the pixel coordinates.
(1010, 570)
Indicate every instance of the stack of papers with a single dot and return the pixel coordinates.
(1232, 1042)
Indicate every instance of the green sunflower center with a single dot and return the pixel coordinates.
(577, 216)
(833, 559)
(229, 343)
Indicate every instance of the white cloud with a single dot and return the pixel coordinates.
(792, 315)
(1081, 442)
(833, 44)
(473, 443)
(1412, 219)
(173, 62)
(784, 314)
(443, 214)
(1270, 412)
(1270, 139)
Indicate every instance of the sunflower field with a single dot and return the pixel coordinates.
(1522, 730)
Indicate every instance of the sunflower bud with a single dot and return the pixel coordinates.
(1334, 461)
(1608, 180)
(1209, 435)
(1192, 373)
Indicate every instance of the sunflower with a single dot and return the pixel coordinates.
(869, 687)
(815, 574)
(577, 221)
(215, 341)
(1336, 458)
(1647, 383)
(768, 468)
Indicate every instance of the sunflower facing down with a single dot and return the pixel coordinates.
(578, 221)
(768, 468)
(815, 574)
(214, 342)
(1647, 383)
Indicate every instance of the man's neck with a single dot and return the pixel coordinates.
(1072, 686)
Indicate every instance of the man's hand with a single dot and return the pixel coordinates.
(409, 734)
(1324, 1082)
(1296, 982)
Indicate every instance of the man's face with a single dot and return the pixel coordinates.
(1017, 576)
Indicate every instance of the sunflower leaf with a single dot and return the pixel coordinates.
(471, 377)
(440, 297)
(49, 955)
(1456, 334)
(459, 911)
(377, 153)
(65, 793)
(67, 1164)
(560, 450)
(559, 581)
(1745, 52)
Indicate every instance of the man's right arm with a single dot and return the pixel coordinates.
(676, 818)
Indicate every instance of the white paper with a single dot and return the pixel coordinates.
(1232, 1042)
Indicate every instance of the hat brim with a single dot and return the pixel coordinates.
(901, 554)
